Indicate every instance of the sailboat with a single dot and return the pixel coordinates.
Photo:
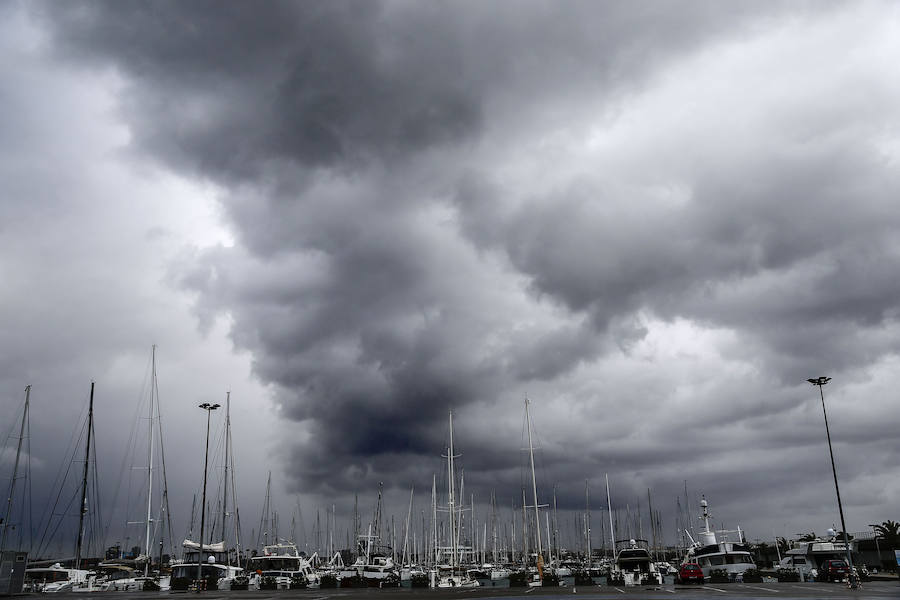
(451, 575)
(539, 552)
(372, 567)
(56, 577)
(117, 575)
(14, 562)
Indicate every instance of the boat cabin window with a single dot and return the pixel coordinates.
(47, 576)
(717, 560)
(275, 564)
(119, 574)
(634, 554)
(799, 560)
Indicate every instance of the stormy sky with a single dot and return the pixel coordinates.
(655, 220)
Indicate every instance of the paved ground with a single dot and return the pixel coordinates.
(743, 591)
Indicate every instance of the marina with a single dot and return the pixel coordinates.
(449, 552)
(880, 589)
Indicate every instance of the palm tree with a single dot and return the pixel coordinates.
(889, 532)
(783, 544)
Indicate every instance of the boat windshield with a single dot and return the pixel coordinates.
(115, 574)
(730, 559)
(265, 563)
(190, 571)
(47, 575)
(191, 556)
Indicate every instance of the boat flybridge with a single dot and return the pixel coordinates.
(719, 553)
(634, 565)
(283, 563)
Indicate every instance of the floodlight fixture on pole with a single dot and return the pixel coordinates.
(821, 381)
(208, 408)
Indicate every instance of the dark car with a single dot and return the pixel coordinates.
(834, 570)
(689, 572)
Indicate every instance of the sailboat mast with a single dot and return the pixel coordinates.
(84, 483)
(225, 477)
(537, 518)
(554, 541)
(493, 527)
(549, 546)
(450, 477)
(405, 557)
(164, 506)
(612, 530)
(356, 521)
(150, 461)
(378, 511)
(652, 526)
(15, 473)
(524, 528)
(587, 524)
(434, 537)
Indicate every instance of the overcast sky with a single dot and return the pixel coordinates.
(654, 219)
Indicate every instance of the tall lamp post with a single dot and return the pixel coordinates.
(208, 408)
(821, 381)
(877, 546)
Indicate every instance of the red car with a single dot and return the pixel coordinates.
(834, 570)
(689, 572)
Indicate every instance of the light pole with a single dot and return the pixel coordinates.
(821, 381)
(208, 408)
(877, 546)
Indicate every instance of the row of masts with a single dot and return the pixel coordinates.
(455, 547)
(447, 541)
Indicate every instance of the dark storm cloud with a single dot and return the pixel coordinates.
(449, 204)
(224, 88)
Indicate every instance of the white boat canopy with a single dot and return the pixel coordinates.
(191, 545)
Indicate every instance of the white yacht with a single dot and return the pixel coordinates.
(448, 576)
(216, 567)
(634, 565)
(375, 570)
(414, 574)
(805, 556)
(54, 578)
(714, 552)
(109, 576)
(284, 564)
(499, 572)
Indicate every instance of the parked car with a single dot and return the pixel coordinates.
(834, 570)
(689, 572)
